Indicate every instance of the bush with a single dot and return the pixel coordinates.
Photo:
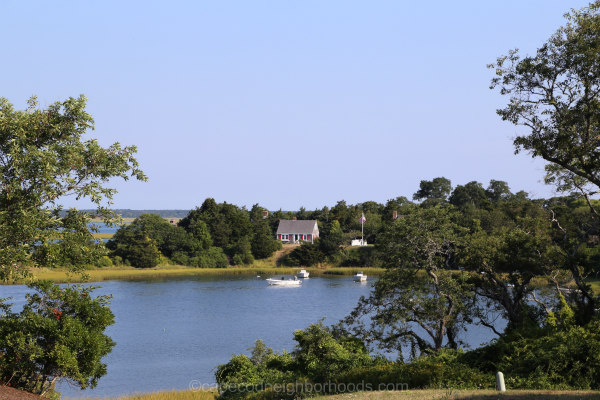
(319, 357)
(430, 371)
(105, 261)
(306, 255)
(322, 357)
(58, 334)
(212, 258)
(568, 358)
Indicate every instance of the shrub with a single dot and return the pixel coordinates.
(307, 254)
(105, 261)
(58, 334)
(430, 371)
(212, 258)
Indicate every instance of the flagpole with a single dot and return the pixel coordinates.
(362, 230)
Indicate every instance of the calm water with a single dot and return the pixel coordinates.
(170, 332)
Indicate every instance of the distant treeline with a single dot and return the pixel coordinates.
(127, 213)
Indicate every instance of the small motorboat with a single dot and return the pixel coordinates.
(303, 274)
(360, 277)
(283, 281)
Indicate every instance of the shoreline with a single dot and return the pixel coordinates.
(61, 275)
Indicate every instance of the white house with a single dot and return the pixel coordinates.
(296, 231)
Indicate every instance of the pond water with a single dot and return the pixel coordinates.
(175, 331)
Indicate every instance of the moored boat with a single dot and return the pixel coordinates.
(360, 277)
(283, 281)
(303, 274)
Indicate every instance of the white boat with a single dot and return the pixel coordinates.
(303, 274)
(283, 281)
(360, 277)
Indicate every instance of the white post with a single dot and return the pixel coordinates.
(500, 382)
(362, 232)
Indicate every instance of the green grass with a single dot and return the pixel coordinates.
(432, 394)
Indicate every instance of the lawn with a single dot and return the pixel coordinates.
(427, 394)
(443, 394)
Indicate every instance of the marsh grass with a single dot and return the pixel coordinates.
(173, 395)
(102, 235)
(173, 271)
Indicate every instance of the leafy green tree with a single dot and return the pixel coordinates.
(498, 190)
(434, 191)
(400, 204)
(419, 301)
(137, 249)
(263, 242)
(227, 223)
(471, 194)
(59, 334)
(308, 254)
(555, 95)
(330, 239)
(321, 354)
(505, 263)
(42, 159)
(211, 258)
(74, 245)
(143, 241)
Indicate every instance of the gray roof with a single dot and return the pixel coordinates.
(300, 226)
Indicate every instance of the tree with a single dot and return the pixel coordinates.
(331, 238)
(504, 264)
(471, 194)
(436, 190)
(419, 301)
(42, 159)
(59, 333)
(555, 95)
(497, 191)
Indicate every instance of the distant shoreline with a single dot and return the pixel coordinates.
(61, 275)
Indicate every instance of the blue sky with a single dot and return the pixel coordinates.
(283, 103)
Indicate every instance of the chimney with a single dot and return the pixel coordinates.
(265, 214)
(395, 215)
(293, 218)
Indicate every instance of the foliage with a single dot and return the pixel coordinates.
(307, 254)
(143, 242)
(563, 358)
(555, 95)
(433, 192)
(419, 302)
(43, 158)
(320, 356)
(211, 258)
(471, 194)
(443, 369)
(59, 334)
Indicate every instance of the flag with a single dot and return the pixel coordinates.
(362, 219)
